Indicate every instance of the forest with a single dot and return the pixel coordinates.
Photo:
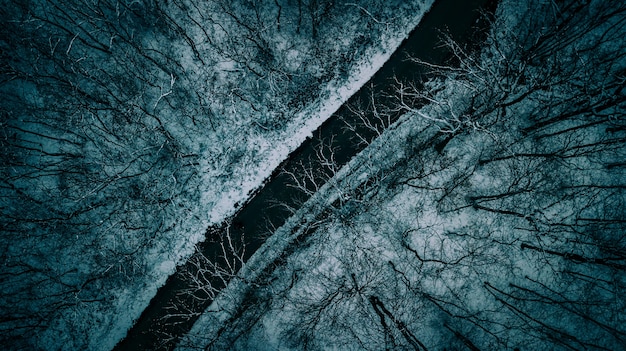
(490, 216)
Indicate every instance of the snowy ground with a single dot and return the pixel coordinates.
(478, 246)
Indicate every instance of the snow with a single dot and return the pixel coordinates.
(205, 126)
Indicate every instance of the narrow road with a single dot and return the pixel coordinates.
(172, 312)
